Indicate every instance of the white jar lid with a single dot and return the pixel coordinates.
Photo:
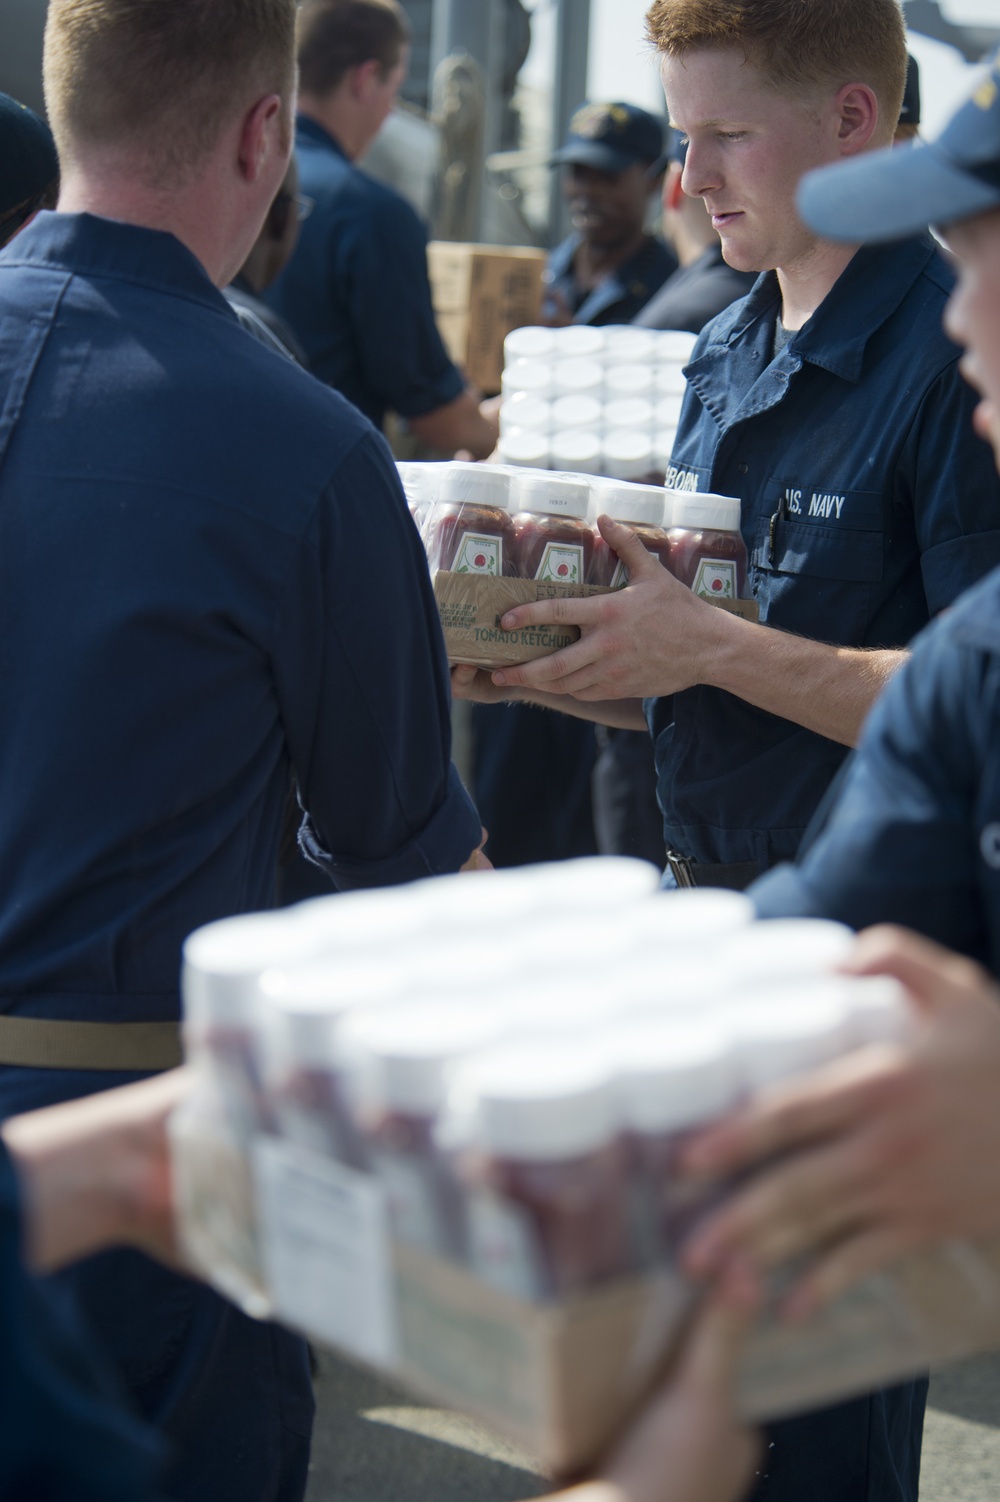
(418, 480)
(577, 377)
(576, 412)
(627, 454)
(522, 410)
(550, 495)
(880, 1010)
(699, 512)
(575, 450)
(578, 341)
(540, 1102)
(345, 922)
(667, 412)
(401, 1054)
(673, 1074)
(531, 342)
(690, 918)
(308, 1001)
(475, 485)
(634, 412)
(781, 1033)
(527, 375)
(779, 949)
(525, 447)
(593, 883)
(670, 380)
(628, 380)
(624, 502)
(675, 344)
(223, 961)
(624, 344)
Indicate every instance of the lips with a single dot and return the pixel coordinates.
(721, 221)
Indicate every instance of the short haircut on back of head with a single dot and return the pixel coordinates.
(798, 45)
(338, 35)
(161, 77)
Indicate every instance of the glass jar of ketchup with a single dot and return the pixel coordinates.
(546, 1193)
(639, 507)
(552, 540)
(469, 529)
(707, 551)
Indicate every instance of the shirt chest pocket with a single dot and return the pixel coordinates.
(817, 562)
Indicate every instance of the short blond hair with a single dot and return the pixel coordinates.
(798, 45)
(162, 76)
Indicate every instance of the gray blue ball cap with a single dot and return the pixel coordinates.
(885, 195)
(28, 160)
(611, 137)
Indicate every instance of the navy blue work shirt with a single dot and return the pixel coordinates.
(914, 837)
(855, 449)
(356, 290)
(618, 296)
(209, 579)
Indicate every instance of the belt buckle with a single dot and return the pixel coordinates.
(681, 868)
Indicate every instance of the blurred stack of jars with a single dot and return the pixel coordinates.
(504, 521)
(518, 1058)
(598, 401)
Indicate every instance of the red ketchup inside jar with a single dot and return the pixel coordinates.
(707, 551)
(675, 1075)
(468, 530)
(639, 507)
(543, 1169)
(400, 1060)
(307, 1078)
(552, 539)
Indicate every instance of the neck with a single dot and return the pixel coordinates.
(336, 115)
(808, 280)
(191, 214)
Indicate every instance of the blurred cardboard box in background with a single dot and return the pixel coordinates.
(480, 293)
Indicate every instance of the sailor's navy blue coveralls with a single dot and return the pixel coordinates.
(208, 579)
(868, 505)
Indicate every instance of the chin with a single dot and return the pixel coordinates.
(740, 258)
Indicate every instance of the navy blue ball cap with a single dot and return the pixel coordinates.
(611, 137)
(28, 160)
(884, 195)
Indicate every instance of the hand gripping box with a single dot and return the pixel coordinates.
(293, 1235)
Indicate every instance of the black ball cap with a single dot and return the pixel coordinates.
(28, 160)
(611, 137)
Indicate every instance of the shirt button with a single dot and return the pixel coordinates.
(744, 468)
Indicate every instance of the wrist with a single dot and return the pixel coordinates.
(725, 641)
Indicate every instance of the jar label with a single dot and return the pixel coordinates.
(561, 563)
(409, 1193)
(503, 1248)
(619, 578)
(715, 579)
(478, 553)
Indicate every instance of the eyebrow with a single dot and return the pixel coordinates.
(704, 124)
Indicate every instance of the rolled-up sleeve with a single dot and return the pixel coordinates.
(363, 687)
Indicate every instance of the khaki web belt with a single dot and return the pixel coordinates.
(39, 1043)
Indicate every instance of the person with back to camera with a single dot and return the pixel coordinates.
(830, 402)
(269, 255)
(356, 291)
(186, 524)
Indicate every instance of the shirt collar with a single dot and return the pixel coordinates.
(869, 290)
(310, 130)
(87, 245)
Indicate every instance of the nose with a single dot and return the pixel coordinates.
(701, 170)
